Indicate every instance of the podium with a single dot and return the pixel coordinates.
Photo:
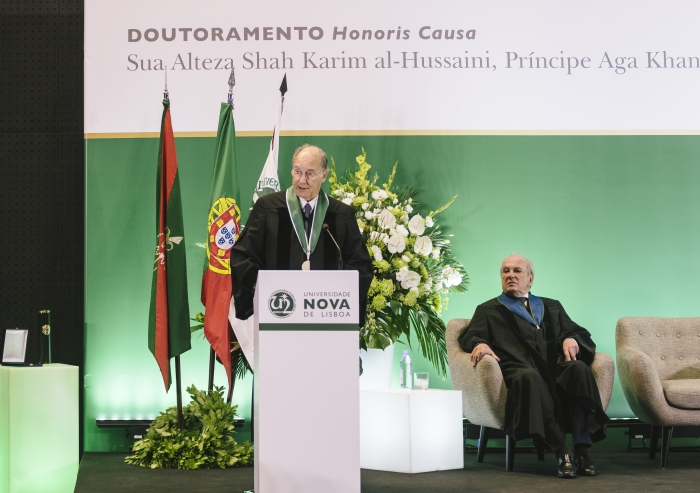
(307, 396)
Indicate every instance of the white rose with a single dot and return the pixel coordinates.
(347, 201)
(423, 246)
(416, 225)
(409, 279)
(451, 277)
(383, 194)
(365, 206)
(377, 252)
(429, 221)
(401, 229)
(376, 195)
(386, 219)
(436, 253)
(396, 244)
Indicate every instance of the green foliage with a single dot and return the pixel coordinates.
(205, 441)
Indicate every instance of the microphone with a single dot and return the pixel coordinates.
(340, 255)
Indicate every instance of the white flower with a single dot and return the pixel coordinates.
(339, 192)
(396, 201)
(428, 284)
(369, 215)
(405, 258)
(377, 195)
(451, 277)
(408, 208)
(416, 225)
(423, 246)
(374, 235)
(384, 238)
(351, 195)
(386, 219)
(407, 278)
(401, 229)
(429, 221)
(365, 206)
(414, 290)
(347, 201)
(404, 218)
(396, 244)
(377, 252)
(436, 253)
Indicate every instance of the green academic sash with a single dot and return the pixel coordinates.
(297, 216)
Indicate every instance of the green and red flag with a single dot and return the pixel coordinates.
(224, 226)
(169, 317)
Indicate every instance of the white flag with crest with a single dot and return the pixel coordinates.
(268, 183)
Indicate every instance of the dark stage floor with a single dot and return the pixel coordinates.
(619, 472)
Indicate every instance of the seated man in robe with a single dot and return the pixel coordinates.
(300, 228)
(544, 357)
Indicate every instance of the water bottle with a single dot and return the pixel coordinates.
(406, 371)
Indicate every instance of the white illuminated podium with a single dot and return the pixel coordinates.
(307, 397)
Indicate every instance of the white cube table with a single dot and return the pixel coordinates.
(411, 431)
(39, 426)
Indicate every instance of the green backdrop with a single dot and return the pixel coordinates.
(610, 222)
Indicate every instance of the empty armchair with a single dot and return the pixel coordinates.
(658, 361)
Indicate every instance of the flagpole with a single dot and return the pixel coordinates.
(178, 383)
(212, 359)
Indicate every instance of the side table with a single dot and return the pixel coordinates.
(39, 429)
(411, 431)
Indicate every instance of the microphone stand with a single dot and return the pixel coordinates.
(340, 255)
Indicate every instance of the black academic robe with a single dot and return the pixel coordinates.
(269, 242)
(542, 387)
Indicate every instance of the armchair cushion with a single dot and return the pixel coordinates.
(683, 393)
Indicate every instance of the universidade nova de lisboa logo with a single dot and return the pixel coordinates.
(281, 303)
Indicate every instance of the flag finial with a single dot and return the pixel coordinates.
(231, 83)
(283, 87)
(166, 94)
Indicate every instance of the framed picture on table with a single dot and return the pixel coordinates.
(14, 346)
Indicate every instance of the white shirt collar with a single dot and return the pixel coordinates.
(311, 202)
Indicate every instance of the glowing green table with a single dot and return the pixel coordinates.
(38, 429)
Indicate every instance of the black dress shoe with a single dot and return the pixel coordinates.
(584, 465)
(566, 467)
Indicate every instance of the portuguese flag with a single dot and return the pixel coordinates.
(169, 317)
(224, 226)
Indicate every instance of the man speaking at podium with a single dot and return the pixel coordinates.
(300, 228)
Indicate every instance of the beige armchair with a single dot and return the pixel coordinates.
(658, 361)
(484, 392)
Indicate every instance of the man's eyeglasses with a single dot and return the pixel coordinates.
(310, 175)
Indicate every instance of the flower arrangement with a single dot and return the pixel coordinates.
(414, 269)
